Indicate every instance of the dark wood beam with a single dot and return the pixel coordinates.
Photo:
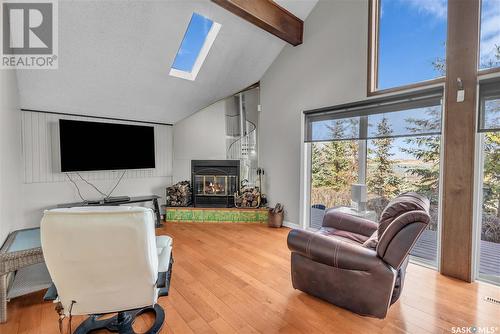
(267, 15)
(459, 139)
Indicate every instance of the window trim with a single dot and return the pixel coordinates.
(373, 24)
(202, 55)
(373, 55)
(484, 71)
(481, 103)
(490, 70)
(478, 211)
(482, 78)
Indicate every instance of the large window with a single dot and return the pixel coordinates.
(387, 148)
(489, 55)
(409, 42)
(488, 266)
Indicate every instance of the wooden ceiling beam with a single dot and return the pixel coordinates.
(267, 15)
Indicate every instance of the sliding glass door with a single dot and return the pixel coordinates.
(362, 157)
(488, 241)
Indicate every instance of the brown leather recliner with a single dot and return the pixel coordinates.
(355, 263)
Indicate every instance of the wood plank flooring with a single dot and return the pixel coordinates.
(235, 278)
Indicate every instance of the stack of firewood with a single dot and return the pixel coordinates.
(179, 194)
(249, 198)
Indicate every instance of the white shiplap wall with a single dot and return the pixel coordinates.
(40, 136)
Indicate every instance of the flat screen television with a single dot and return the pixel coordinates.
(93, 146)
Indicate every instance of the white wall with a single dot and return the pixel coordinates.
(328, 69)
(30, 182)
(199, 136)
(42, 157)
(44, 186)
(10, 154)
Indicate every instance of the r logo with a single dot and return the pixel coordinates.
(27, 28)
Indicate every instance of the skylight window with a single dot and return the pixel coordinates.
(198, 39)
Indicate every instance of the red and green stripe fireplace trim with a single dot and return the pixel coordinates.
(216, 215)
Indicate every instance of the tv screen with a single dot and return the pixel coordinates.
(89, 146)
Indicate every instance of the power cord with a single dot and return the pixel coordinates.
(106, 196)
(76, 186)
(117, 183)
(90, 184)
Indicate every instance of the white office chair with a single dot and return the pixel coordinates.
(104, 260)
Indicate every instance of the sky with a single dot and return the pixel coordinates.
(413, 35)
(490, 30)
(193, 41)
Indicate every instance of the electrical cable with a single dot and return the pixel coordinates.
(76, 186)
(98, 190)
(106, 196)
(117, 183)
(90, 184)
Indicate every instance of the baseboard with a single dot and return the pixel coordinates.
(290, 224)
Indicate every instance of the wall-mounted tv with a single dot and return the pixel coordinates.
(93, 146)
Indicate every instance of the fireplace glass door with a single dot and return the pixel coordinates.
(215, 185)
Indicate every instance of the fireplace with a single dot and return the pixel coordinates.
(214, 182)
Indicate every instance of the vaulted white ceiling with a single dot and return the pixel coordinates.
(115, 56)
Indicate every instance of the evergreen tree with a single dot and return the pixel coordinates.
(382, 180)
(491, 180)
(318, 166)
(353, 151)
(439, 64)
(337, 162)
(493, 61)
(425, 149)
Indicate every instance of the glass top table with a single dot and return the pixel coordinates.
(23, 240)
(21, 249)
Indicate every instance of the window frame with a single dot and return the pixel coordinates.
(484, 71)
(306, 156)
(485, 77)
(478, 211)
(210, 38)
(373, 55)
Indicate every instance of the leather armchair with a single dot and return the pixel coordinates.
(355, 263)
(105, 260)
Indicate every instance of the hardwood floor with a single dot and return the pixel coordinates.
(230, 278)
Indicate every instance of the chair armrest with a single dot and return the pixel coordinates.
(346, 222)
(332, 252)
